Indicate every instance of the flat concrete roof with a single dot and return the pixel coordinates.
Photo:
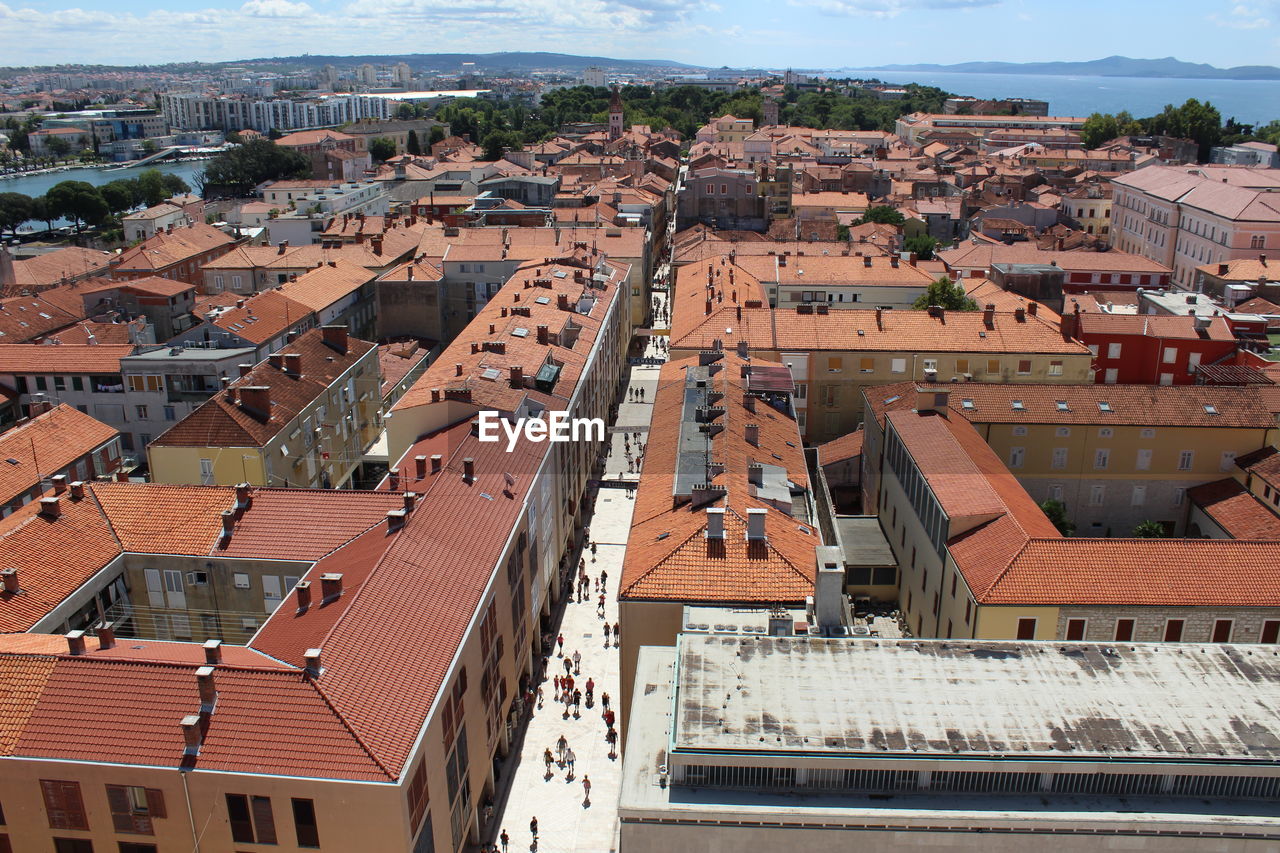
(973, 699)
(863, 541)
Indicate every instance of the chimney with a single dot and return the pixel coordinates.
(213, 652)
(755, 474)
(242, 495)
(59, 483)
(330, 586)
(436, 461)
(283, 247)
(755, 523)
(542, 335)
(376, 242)
(409, 498)
(1020, 314)
(562, 301)
(517, 376)
(893, 261)
(208, 690)
(748, 402)
(77, 490)
(753, 435)
(50, 508)
(75, 642)
(192, 734)
(393, 478)
(276, 360)
(880, 319)
(10, 581)
(106, 636)
(228, 522)
(311, 657)
(715, 522)
(240, 303)
(335, 335)
(258, 399)
(828, 588)
(469, 470)
(989, 316)
(435, 395)
(396, 519)
(707, 309)
(293, 363)
(1223, 269)
(122, 476)
(245, 368)
(303, 590)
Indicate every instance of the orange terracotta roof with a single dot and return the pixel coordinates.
(327, 284)
(69, 358)
(983, 255)
(265, 315)
(27, 318)
(219, 422)
(1236, 510)
(1143, 405)
(304, 524)
(45, 445)
(168, 248)
(1179, 327)
(153, 518)
(842, 448)
(22, 680)
(46, 270)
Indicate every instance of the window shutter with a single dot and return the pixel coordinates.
(264, 823)
(64, 805)
(121, 808)
(155, 803)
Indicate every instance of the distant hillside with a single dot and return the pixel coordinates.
(1112, 66)
(484, 62)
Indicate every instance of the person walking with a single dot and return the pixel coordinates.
(562, 746)
(604, 701)
(604, 578)
(505, 839)
(600, 606)
(577, 659)
(591, 689)
(556, 681)
(617, 633)
(586, 787)
(577, 701)
(533, 827)
(569, 758)
(568, 666)
(547, 759)
(560, 642)
(607, 631)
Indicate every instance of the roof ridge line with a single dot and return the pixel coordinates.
(324, 697)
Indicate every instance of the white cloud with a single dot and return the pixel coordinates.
(1242, 17)
(888, 8)
(276, 9)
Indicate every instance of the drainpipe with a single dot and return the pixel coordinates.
(191, 818)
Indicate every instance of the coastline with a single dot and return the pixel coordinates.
(102, 167)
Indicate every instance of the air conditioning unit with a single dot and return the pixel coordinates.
(198, 578)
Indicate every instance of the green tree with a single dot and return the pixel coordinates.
(173, 185)
(1193, 120)
(923, 246)
(238, 170)
(1149, 530)
(946, 294)
(118, 195)
(15, 209)
(58, 146)
(1099, 128)
(1056, 512)
(78, 201)
(1269, 132)
(149, 147)
(382, 149)
(151, 183)
(275, 133)
(496, 140)
(42, 211)
(884, 214)
(411, 145)
(436, 134)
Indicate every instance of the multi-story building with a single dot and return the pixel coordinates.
(1083, 270)
(1187, 216)
(263, 322)
(332, 154)
(309, 213)
(724, 515)
(724, 197)
(165, 384)
(750, 742)
(1116, 455)
(1239, 280)
(979, 558)
(176, 253)
(56, 442)
(1157, 349)
(302, 418)
(188, 111)
(833, 355)
(144, 224)
(817, 275)
(975, 127)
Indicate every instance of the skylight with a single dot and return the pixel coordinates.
(543, 300)
(520, 332)
(560, 274)
(895, 398)
(1104, 406)
(1017, 406)
(1062, 406)
(966, 403)
(491, 373)
(1210, 409)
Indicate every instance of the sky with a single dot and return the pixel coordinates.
(757, 33)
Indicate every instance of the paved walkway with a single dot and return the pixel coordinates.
(567, 821)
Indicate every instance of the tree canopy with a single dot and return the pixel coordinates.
(884, 214)
(78, 201)
(15, 209)
(381, 148)
(946, 294)
(922, 245)
(1149, 530)
(1200, 122)
(1056, 511)
(238, 170)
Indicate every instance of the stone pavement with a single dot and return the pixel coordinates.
(567, 822)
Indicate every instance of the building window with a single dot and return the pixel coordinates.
(1097, 495)
(962, 365)
(1063, 432)
(968, 607)
(142, 412)
(1113, 350)
(898, 365)
(931, 364)
(1144, 460)
(251, 819)
(1185, 459)
(1106, 432)
(1173, 630)
(64, 805)
(1228, 460)
(1124, 630)
(867, 365)
(1020, 430)
(1075, 629)
(1024, 366)
(1178, 495)
(1170, 355)
(1016, 455)
(418, 798)
(1059, 457)
(304, 822)
(1270, 631)
(134, 808)
(170, 414)
(1101, 458)
(72, 845)
(1026, 629)
(993, 365)
(1139, 496)
(134, 847)
(1221, 631)
(1258, 241)
(1055, 368)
